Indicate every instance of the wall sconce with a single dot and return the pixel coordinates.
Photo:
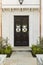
(21, 1)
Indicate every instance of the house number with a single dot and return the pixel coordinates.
(18, 28)
(24, 28)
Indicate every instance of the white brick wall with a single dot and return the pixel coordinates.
(0, 16)
(42, 18)
(8, 26)
(8, 19)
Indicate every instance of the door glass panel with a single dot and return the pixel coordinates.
(18, 28)
(24, 28)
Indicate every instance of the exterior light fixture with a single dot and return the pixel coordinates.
(21, 1)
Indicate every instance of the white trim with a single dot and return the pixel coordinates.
(20, 6)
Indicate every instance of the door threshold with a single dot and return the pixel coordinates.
(20, 48)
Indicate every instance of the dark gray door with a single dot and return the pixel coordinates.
(21, 30)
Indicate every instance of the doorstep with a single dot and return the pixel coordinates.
(21, 48)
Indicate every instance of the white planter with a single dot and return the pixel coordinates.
(39, 59)
(2, 58)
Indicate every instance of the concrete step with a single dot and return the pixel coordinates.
(21, 49)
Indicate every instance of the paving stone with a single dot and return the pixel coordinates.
(21, 58)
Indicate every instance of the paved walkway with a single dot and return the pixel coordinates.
(21, 58)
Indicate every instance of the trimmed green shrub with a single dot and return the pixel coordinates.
(5, 47)
(36, 50)
(8, 50)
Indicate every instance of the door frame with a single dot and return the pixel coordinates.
(28, 29)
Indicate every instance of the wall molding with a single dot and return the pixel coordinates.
(20, 9)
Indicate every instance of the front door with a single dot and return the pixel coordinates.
(21, 30)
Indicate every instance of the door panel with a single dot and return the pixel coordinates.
(21, 34)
